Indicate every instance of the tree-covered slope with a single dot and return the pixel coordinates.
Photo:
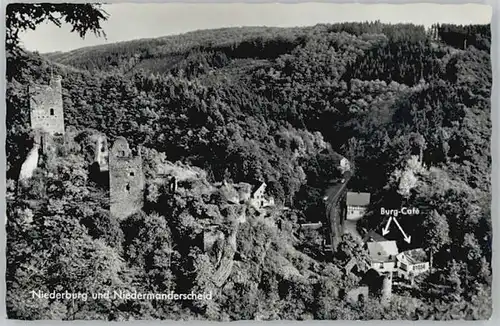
(279, 105)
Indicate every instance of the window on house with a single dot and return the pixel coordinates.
(51, 111)
(127, 187)
(132, 173)
(418, 267)
(122, 153)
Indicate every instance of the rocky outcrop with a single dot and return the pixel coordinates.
(226, 262)
(30, 164)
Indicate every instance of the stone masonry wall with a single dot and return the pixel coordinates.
(46, 107)
(126, 180)
(102, 153)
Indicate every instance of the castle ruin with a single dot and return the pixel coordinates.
(126, 180)
(46, 107)
(386, 290)
(101, 154)
(46, 120)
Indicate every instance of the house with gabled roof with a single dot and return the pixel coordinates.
(259, 198)
(382, 256)
(373, 236)
(357, 205)
(412, 263)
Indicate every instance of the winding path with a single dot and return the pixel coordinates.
(333, 212)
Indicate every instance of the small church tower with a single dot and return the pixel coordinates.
(126, 180)
(46, 107)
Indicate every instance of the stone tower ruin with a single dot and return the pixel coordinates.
(46, 107)
(386, 290)
(101, 155)
(126, 180)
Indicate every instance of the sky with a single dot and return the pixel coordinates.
(128, 21)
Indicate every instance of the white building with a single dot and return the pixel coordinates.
(259, 199)
(344, 165)
(382, 256)
(357, 204)
(412, 263)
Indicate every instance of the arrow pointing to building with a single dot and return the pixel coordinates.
(386, 229)
(407, 238)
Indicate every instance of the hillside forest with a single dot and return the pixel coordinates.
(252, 104)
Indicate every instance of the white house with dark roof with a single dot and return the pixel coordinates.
(412, 263)
(357, 204)
(372, 236)
(259, 199)
(382, 256)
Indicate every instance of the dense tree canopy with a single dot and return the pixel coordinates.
(84, 18)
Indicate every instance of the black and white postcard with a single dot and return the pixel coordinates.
(232, 161)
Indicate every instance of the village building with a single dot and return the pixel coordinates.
(357, 205)
(412, 263)
(259, 199)
(382, 256)
(385, 258)
(382, 264)
(372, 236)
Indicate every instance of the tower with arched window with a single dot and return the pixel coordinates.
(46, 107)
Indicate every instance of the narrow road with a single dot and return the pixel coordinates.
(334, 211)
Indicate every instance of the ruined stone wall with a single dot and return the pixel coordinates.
(102, 153)
(46, 107)
(126, 180)
(50, 145)
(355, 295)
